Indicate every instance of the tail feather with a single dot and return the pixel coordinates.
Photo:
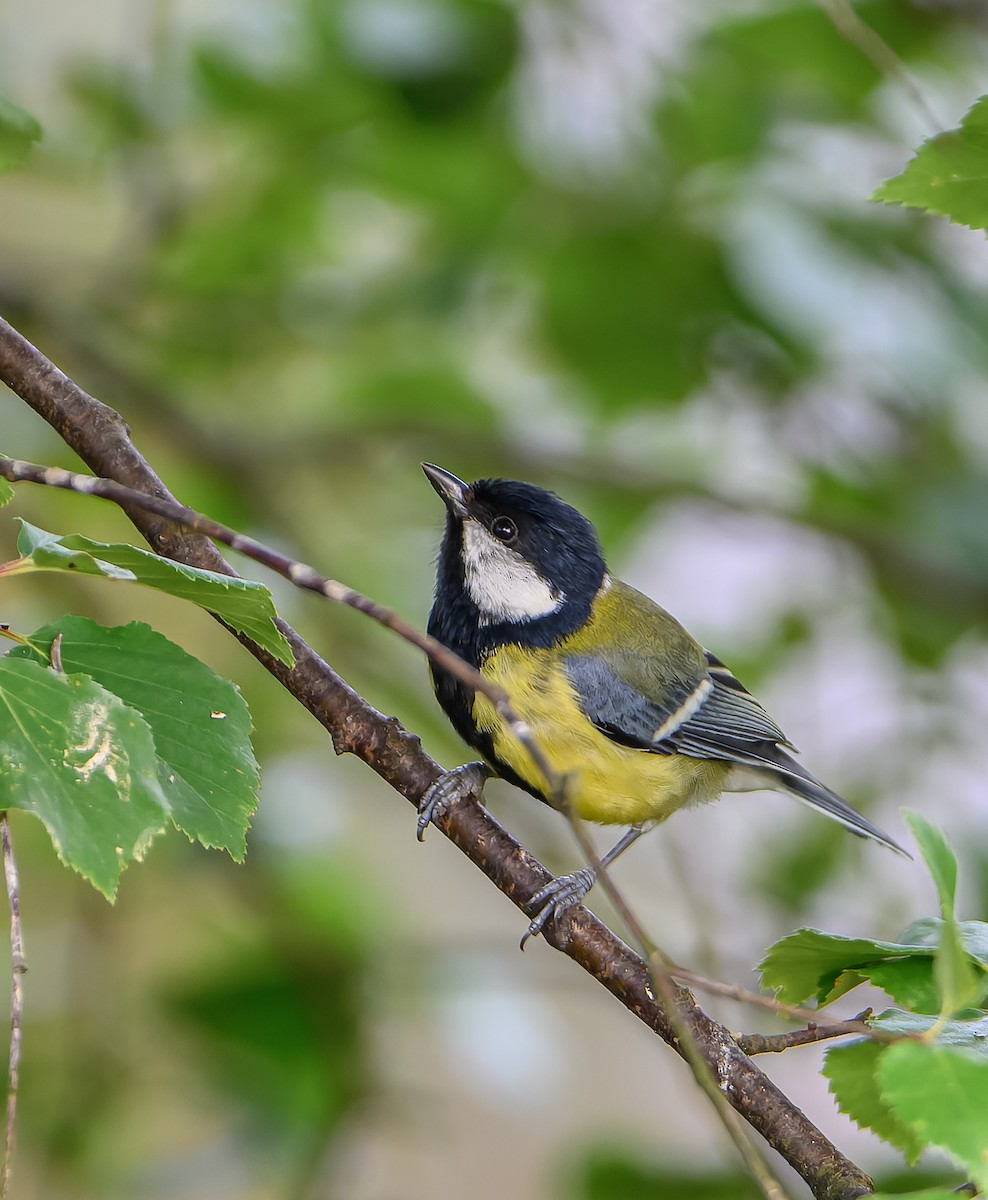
(771, 767)
(801, 784)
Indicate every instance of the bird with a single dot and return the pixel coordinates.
(621, 701)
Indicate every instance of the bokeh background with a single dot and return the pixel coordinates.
(621, 248)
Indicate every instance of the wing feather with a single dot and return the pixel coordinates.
(714, 717)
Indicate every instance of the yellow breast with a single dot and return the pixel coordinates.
(609, 783)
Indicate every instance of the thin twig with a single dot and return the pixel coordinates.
(776, 1043)
(734, 991)
(18, 966)
(879, 53)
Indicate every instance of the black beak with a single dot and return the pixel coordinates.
(453, 492)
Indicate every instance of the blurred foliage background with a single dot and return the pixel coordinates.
(621, 248)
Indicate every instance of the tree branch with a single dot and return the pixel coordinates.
(101, 438)
(775, 1043)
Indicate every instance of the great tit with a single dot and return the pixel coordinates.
(620, 699)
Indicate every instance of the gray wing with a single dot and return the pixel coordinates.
(729, 723)
(711, 716)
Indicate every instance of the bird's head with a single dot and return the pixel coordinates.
(516, 553)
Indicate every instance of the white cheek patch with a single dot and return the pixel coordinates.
(501, 583)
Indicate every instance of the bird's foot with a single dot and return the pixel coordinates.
(451, 787)
(557, 895)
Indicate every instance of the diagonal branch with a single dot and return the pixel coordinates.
(101, 438)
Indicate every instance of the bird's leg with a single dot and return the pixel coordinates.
(562, 893)
(450, 787)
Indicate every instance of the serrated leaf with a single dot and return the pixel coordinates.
(949, 173)
(940, 860)
(909, 981)
(969, 1034)
(199, 721)
(243, 604)
(84, 763)
(851, 1070)
(18, 133)
(942, 1095)
(809, 962)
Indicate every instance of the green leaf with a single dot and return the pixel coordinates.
(845, 982)
(940, 859)
(242, 603)
(913, 982)
(18, 133)
(957, 981)
(927, 931)
(938, 966)
(47, 553)
(949, 174)
(942, 1095)
(909, 981)
(810, 962)
(851, 1070)
(199, 721)
(969, 1034)
(960, 985)
(83, 762)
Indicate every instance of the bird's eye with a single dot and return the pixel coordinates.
(504, 529)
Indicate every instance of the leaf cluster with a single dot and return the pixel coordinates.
(111, 735)
(927, 1085)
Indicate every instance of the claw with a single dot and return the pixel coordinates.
(449, 788)
(557, 895)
